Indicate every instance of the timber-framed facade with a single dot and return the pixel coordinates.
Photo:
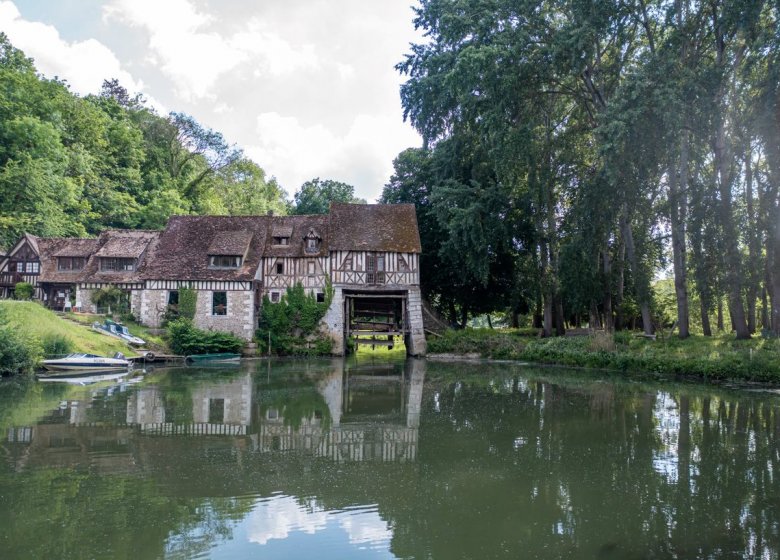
(368, 254)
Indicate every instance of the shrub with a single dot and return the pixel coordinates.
(57, 345)
(111, 299)
(23, 290)
(292, 323)
(601, 342)
(188, 302)
(18, 354)
(185, 339)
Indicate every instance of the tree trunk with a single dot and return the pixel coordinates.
(705, 318)
(619, 319)
(640, 282)
(754, 248)
(720, 314)
(678, 195)
(609, 324)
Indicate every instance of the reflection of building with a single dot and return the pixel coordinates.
(368, 417)
(219, 408)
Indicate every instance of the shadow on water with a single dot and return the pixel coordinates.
(371, 458)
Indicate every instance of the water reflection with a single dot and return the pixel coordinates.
(330, 459)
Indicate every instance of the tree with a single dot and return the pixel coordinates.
(315, 196)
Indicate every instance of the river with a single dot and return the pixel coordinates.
(333, 459)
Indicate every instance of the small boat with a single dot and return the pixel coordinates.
(90, 362)
(212, 358)
(117, 330)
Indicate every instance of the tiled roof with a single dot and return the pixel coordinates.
(298, 227)
(135, 244)
(374, 227)
(125, 243)
(230, 242)
(51, 248)
(183, 248)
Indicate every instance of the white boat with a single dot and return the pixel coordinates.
(90, 362)
(118, 330)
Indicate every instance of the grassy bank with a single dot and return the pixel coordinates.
(708, 358)
(37, 325)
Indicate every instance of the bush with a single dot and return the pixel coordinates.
(292, 324)
(57, 345)
(18, 354)
(186, 340)
(188, 302)
(23, 290)
(111, 299)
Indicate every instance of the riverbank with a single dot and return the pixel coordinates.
(717, 358)
(35, 332)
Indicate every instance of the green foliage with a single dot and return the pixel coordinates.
(292, 324)
(705, 358)
(18, 352)
(55, 344)
(110, 298)
(315, 196)
(188, 302)
(23, 290)
(185, 339)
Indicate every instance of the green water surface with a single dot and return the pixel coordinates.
(349, 460)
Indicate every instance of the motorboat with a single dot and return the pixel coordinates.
(117, 330)
(91, 362)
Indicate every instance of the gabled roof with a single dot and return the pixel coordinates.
(125, 243)
(183, 248)
(298, 228)
(135, 244)
(54, 247)
(374, 227)
(230, 242)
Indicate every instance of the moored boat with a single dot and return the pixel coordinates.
(117, 330)
(82, 377)
(81, 362)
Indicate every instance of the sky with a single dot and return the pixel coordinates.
(307, 88)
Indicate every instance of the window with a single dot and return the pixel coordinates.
(279, 268)
(275, 297)
(219, 303)
(116, 264)
(225, 261)
(272, 414)
(281, 240)
(66, 264)
(310, 268)
(312, 244)
(173, 298)
(320, 297)
(375, 269)
(32, 268)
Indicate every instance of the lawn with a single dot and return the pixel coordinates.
(33, 319)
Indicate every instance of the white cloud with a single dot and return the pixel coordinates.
(281, 515)
(297, 153)
(84, 64)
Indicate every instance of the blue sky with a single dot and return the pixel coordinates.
(306, 87)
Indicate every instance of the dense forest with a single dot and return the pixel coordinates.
(577, 151)
(74, 166)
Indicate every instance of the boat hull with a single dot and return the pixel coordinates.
(53, 365)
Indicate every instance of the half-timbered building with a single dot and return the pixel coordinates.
(367, 253)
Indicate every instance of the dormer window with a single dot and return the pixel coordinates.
(281, 240)
(311, 242)
(225, 261)
(116, 264)
(70, 264)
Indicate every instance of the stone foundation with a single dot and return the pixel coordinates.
(333, 322)
(153, 306)
(415, 343)
(240, 318)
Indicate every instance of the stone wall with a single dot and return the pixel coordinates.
(415, 343)
(135, 302)
(84, 300)
(240, 318)
(153, 305)
(333, 322)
